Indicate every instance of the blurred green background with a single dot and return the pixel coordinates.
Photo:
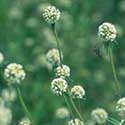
(25, 38)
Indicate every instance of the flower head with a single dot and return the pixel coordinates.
(9, 94)
(75, 121)
(53, 56)
(5, 115)
(14, 73)
(63, 71)
(51, 14)
(107, 32)
(59, 86)
(99, 116)
(62, 113)
(77, 91)
(120, 107)
(25, 121)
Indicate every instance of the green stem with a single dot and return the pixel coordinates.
(114, 72)
(68, 105)
(75, 108)
(112, 122)
(58, 43)
(112, 119)
(27, 113)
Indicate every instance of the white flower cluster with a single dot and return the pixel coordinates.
(14, 73)
(9, 94)
(63, 71)
(120, 107)
(75, 121)
(25, 121)
(53, 57)
(5, 115)
(77, 92)
(59, 86)
(62, 113)
(99, 116)
(51, 14)
(107, 32)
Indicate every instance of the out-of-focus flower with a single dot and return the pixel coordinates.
(99, 116)
(48, 36)
(32, 22)
(63, 71)
(5, 115)
(120, 107)
(77, 92)
(1, 58)
(25, 121)
(2, 102)
(68, 19)
(75, 121)
(53, 56)
(14, 73)
(51, 14)
(59, 86)
(15, 13)
(121, 5)
(65, 3)
(62, 113)
(9, 94)
(107, 32)
(42, 61)
(29, 42)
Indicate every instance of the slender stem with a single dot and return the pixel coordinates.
(58, 43)
(79, 106)
(59, 48)
(112, 119)
(113, 122)
(68, 105)
(75, 108)
(27, 113)
(114, 72)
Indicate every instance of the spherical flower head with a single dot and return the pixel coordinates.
(14, 73)
(53, 56)
(25, 121)
(63, 71)
(77, 92)
(62, 113)
(59, 86)
(107, 32)
(51, 14)
(5, 115)
(75, 121)
(99, 116)
(9, 95)
(120, 107)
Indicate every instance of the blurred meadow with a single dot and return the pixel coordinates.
(25, 38)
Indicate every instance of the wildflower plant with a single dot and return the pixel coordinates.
(100, 116)
(14, 74)
(61, 84)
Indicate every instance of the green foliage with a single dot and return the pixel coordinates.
(25, 38)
